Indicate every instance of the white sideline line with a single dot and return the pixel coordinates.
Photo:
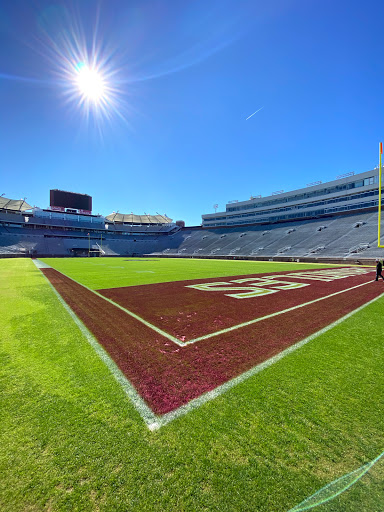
(277, 313)
(149, 417)
(155, 422)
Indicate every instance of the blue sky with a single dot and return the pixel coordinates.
(184, 76)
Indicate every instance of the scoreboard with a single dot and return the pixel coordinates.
(70, 202)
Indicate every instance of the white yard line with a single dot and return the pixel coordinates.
(137, 317)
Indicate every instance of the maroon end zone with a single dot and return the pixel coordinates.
(168, 375)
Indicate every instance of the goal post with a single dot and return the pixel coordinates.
(379, 210)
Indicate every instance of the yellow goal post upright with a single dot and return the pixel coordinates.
(379, 218)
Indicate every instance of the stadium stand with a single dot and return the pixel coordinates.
(340, 239)
(27, 231)
(349, 193)
(333, 221)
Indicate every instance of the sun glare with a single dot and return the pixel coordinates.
(90, 83)
(87, 70)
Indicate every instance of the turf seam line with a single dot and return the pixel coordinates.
(146, 413)
(266, 317)
(210, 395)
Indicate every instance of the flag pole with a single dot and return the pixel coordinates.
(379, 219)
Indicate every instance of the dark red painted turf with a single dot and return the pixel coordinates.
(167, 375)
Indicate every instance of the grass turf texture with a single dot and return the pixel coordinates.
(71, 440)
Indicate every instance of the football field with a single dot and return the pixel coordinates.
(160, 384)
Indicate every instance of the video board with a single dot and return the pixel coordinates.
(61, 200)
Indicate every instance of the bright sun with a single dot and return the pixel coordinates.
(91, 84)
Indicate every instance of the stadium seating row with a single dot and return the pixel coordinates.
(343, 236)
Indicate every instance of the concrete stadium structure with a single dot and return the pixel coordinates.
(346, 194)
(35, 232)
(328, 221)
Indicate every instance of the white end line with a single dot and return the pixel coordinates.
(149, 417)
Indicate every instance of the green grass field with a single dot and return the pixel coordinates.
(72, 441)
(97, 273)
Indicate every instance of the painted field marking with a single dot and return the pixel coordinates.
(137, 317)
(220, 390)
(130, 313)
(255, 286)
(277, 313)
(228, 329)
(149, 417)
(154, 421)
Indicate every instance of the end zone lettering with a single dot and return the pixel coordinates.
(257, 285)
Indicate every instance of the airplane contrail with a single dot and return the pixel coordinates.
(254, 113)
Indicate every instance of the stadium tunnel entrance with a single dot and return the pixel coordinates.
(82, 252)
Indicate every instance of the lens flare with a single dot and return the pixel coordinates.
(97, 68)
